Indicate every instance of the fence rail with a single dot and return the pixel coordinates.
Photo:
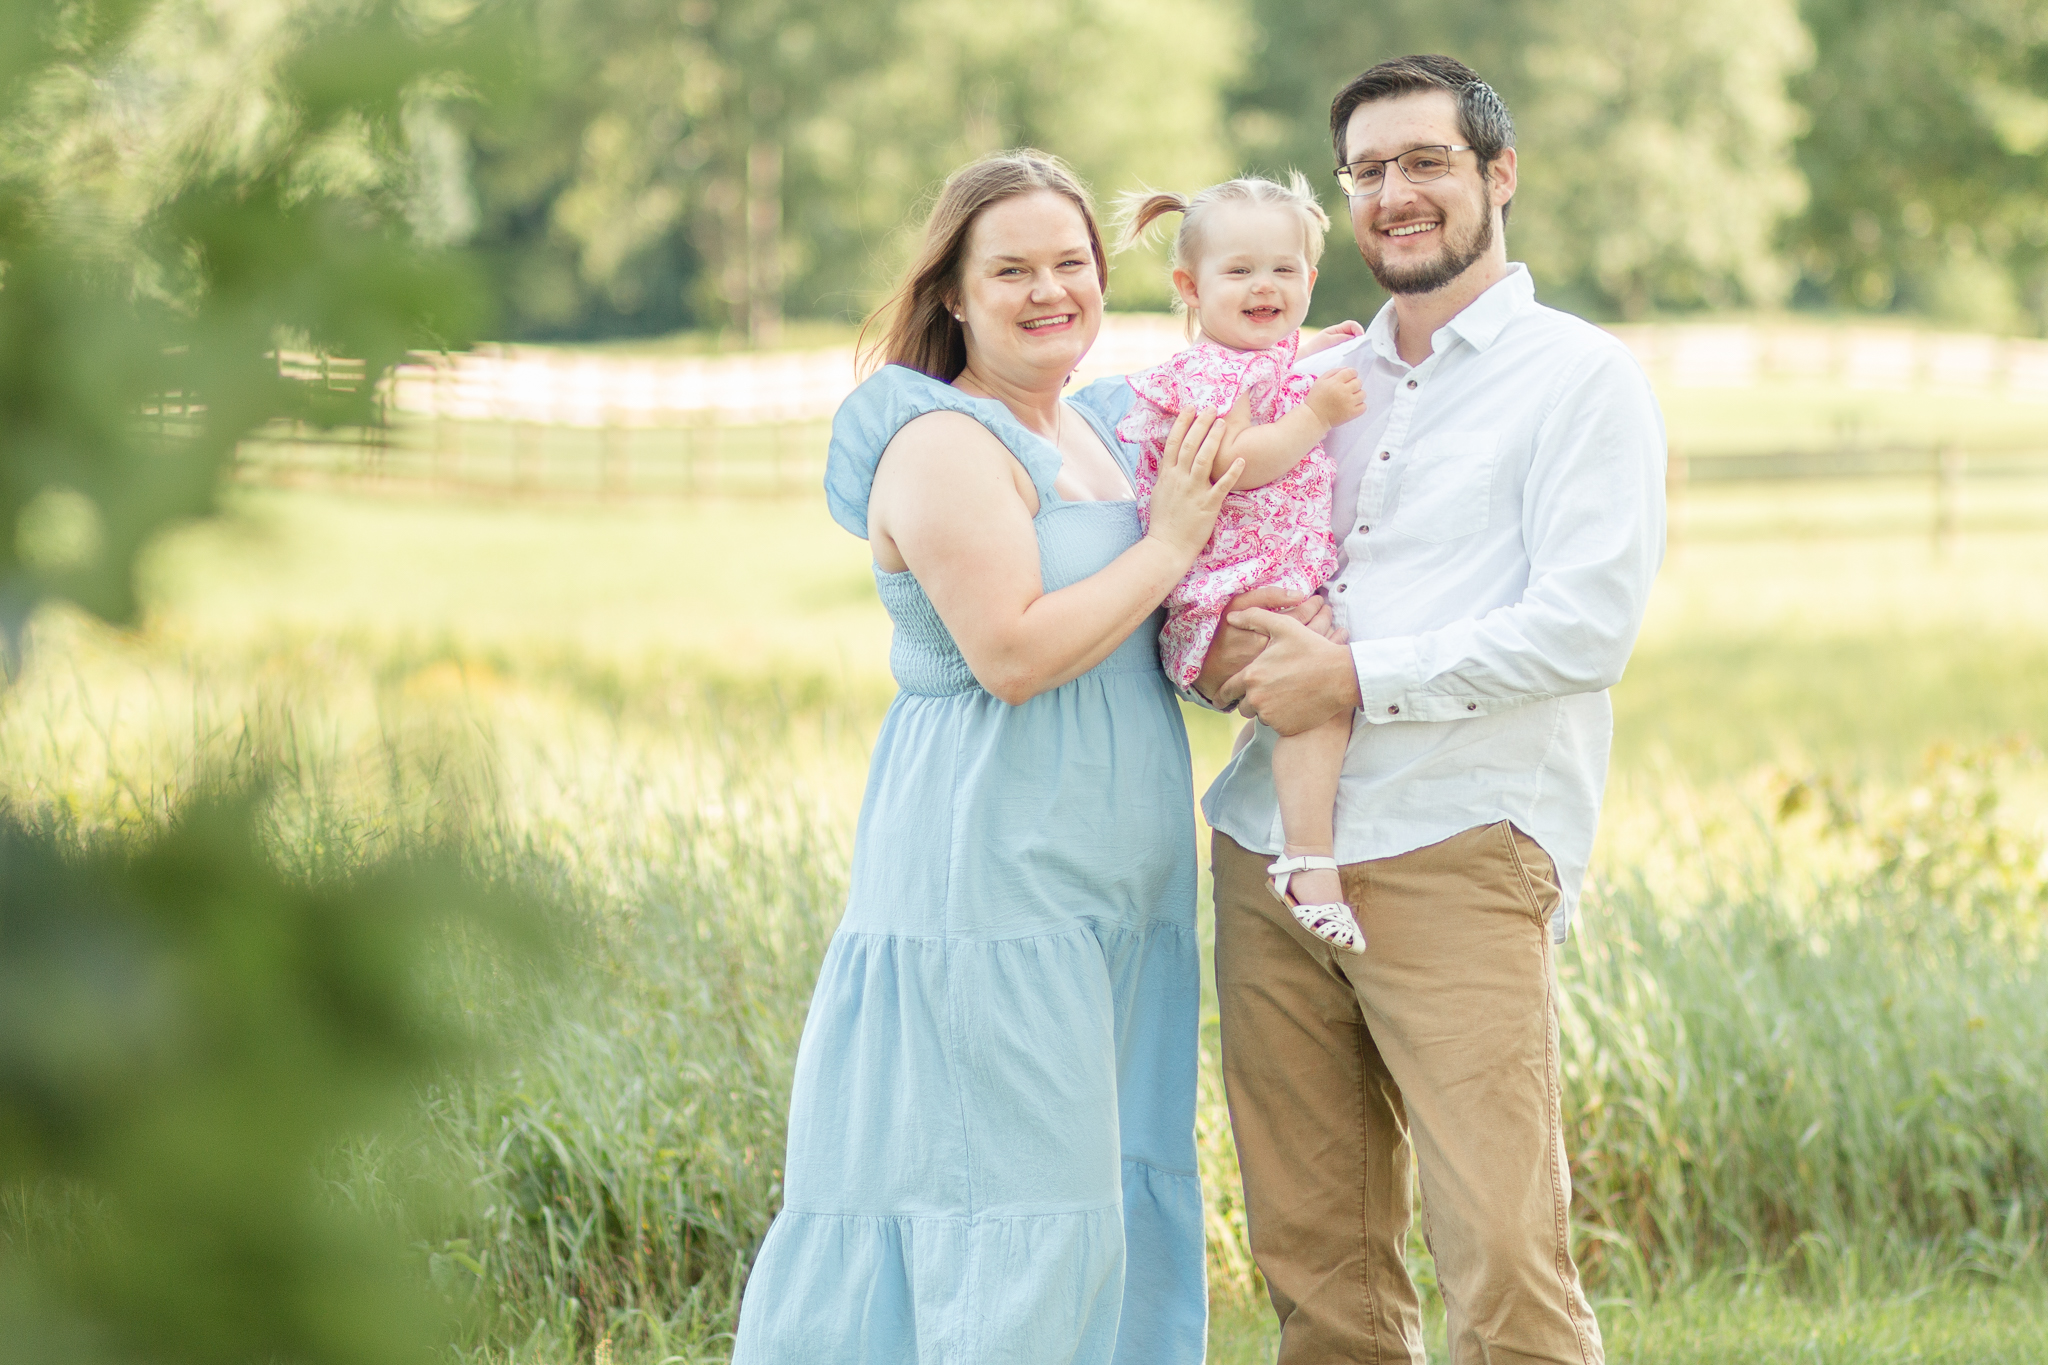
(538, 422)
(1731, 355)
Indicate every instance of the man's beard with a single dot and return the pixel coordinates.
(1453, 260)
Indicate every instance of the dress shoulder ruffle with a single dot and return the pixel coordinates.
(892, 398)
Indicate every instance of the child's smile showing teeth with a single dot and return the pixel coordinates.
(1250, 286)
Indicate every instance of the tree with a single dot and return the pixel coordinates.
(1927, 151)
(719, 163)
(646, 191)
(169, 218)
(1658, 145)
(1125, 90)
(1653, 141)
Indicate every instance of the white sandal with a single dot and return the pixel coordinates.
(1333, 923)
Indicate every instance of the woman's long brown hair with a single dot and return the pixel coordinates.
(917, 324)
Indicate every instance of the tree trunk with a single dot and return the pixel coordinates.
(725, 256)
(764, 221)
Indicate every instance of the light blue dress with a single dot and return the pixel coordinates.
(991, 1140)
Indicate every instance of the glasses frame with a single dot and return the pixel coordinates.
(1345, 179)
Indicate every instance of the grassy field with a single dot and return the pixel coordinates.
(1805, 1025)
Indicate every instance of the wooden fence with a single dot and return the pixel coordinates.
(543, 422)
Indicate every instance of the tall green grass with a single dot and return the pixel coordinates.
(627, 1163)
(1803, 1031)
(1804, 1026)
(1815, 1053)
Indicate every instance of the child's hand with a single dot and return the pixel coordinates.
(1338, 396)
(1334, 335)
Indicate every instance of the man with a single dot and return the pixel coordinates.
(1499, 516)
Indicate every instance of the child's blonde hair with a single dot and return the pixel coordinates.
(1138, 210)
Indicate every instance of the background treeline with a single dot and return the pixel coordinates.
(726, 164)
(713, 163)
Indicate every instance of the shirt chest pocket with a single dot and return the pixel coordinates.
(1447, 491)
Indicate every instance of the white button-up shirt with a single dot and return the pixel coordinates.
(1499, 514)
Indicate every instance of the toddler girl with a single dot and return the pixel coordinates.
(1243, 263)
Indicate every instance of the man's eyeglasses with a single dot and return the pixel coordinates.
(1364, 179)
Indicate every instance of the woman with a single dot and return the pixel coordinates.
(991, 1139)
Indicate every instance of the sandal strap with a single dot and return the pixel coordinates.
(1302, 862)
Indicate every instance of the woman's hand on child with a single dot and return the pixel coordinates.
(1186, 498)
(1338, 396)
(1237, 420)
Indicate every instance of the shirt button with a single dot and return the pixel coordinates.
(1385, 455)
(1393, 710)
(1471, 706)
(1363, 529)
(1411, 383)
(1341, 587)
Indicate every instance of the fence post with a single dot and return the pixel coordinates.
(611, 456)
(1677, 474)
(383, 412)
(527, 431)
(447, 462)
(1948, 500)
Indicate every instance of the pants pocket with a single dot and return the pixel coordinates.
(1535, 870)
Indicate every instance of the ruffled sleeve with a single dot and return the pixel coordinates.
(1212, 376)
(1161, 386)
(888, 401)
(1155, 400)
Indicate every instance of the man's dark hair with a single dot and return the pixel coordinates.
(1483, 121)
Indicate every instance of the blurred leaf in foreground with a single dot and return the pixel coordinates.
(163, 236)
(185, 1035)
(187, 189)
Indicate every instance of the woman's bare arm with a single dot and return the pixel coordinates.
(950, 504)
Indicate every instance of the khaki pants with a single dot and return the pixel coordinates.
(1440, 1044)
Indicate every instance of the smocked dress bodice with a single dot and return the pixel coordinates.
(1072, 539)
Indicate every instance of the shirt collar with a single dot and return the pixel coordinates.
(1480, 324)
(1484, 318)
(1379, 336)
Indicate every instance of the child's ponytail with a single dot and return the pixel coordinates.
(1138, 210)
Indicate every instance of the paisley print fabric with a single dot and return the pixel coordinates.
(1278, 533)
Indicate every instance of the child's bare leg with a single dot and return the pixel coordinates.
(1305, 771)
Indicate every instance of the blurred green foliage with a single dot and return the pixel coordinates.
(1654, 141)
(189, 1028)
(1927, 152)
(712, 164)
(717, 165)
(186, 1032)
(184, 190)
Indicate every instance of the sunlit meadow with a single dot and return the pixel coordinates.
(1804, 1028)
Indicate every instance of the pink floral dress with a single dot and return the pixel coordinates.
(1278, 533)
